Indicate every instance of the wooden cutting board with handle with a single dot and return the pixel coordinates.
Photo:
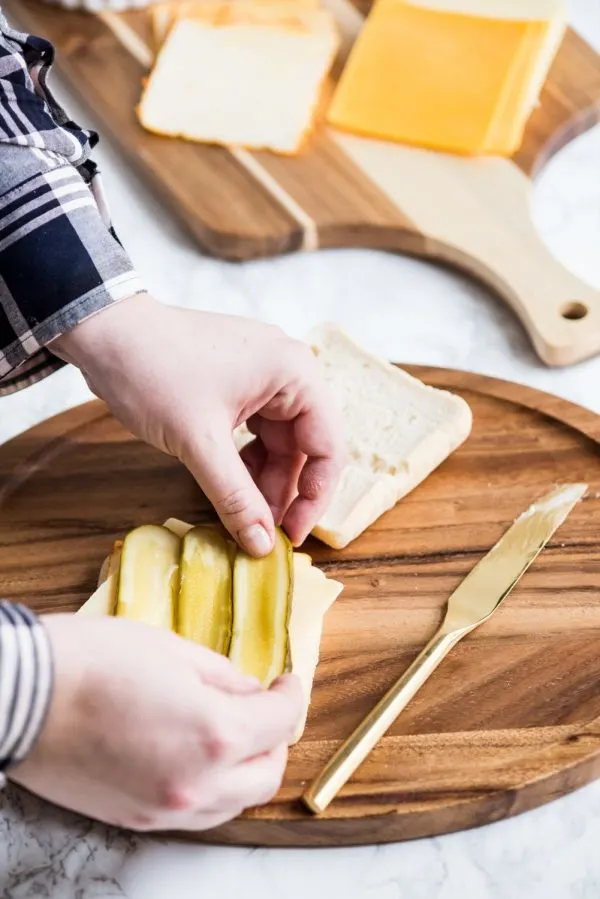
(510, 720)
(346, 191)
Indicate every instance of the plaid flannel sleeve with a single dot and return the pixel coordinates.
(60, 260)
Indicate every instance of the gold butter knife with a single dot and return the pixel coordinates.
(472, 603)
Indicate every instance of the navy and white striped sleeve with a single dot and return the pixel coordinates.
(60, 259)
(25, 682)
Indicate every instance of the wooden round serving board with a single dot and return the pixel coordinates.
(349, 191)
(510, 720)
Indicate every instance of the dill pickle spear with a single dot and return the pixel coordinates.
(149, 576)
(262, 598)
(205, 589)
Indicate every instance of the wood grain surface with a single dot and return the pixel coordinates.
(346, 191)
(510, 720)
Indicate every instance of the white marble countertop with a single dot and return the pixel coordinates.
(551, 853)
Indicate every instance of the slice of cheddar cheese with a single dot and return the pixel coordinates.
(454, 75)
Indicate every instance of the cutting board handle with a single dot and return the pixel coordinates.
(560, 312)
(475, 214)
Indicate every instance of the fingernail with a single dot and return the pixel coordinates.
(277, 515)
(255, 540)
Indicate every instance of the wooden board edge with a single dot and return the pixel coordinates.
(305, 830)
(575, 416)
(235, 246)
(24, 454)
(564, 411)
(578, 124)
(561, 139)
(476, 810)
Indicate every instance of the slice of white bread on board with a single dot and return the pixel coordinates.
(397, 431)
(313, 595)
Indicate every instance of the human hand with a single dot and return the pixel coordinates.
(184, 380)
(185, 745)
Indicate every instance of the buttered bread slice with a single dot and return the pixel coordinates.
(241, 75)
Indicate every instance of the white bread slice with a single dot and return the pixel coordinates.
(314, 593)
(252, 81)
(397, 431)
(360, 499)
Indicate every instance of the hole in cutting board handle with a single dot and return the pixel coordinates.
(574, 311)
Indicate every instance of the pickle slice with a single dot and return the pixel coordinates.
(205, 609)
(149, 576)
(262, 599)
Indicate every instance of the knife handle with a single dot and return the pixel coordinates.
(359, 744)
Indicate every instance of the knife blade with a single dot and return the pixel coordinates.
(476, 598)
